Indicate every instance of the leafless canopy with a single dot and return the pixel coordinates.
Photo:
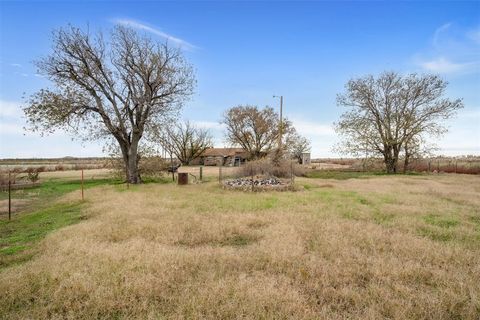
(296, 145)
(121, 87)
(392, 111)
(186, 141)
(256, 130)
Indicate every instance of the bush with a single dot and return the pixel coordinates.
(148, 166)
(152, 166)
(32, 174)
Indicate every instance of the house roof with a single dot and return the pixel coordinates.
(223, 152)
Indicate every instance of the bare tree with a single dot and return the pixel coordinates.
(416, 147)
(388, 112)
(187, 141)
(121, 88)
(296, 145)
(256, 130)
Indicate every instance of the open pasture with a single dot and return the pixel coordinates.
(371, 247)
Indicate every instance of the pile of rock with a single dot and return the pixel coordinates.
(259, 183)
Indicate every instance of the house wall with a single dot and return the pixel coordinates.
(306, 158)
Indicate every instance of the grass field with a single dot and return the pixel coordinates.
(341, 247)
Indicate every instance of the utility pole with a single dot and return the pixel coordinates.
(281, 123)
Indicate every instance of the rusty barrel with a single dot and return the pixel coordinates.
(182, 178)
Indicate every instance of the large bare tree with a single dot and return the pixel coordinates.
(187, 141)
(256, 130)
(123, 87)
(388, 113)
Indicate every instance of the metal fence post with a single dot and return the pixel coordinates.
(82, 186)
(9, 197)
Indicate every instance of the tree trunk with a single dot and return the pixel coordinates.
(130, 160)
(391, 161)
(132, 165)
(406, 162)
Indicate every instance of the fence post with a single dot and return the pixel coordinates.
(455, 165)
(251, 175)
(429, 166)
(9, 197)
(438, 166)
(220, 174)
(201, 173)
(82, 186)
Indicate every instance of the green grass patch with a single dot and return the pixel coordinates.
(382, 217)
(238, 240)
(436, 234)
(18, 235)
(54, 188)
(341, 175)
(308, 186)
(441, 221)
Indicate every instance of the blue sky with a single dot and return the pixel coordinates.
(245, 52)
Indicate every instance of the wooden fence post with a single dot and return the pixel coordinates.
(201, 173)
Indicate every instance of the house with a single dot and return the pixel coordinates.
(222, 157)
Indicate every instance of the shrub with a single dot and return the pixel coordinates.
(148, 166)
(152, 166)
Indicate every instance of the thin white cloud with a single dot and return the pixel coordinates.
(453, 50)
(208, 125)
(443, 65)
(18, 65)
(143, 26)
(439, 33)
(21, 74)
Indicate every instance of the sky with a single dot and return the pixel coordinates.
(246, 52)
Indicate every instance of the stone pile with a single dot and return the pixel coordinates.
(258, 183)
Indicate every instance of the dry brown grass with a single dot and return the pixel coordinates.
(385, 247)
(76, 174)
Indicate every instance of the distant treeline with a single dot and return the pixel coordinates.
(463, 164)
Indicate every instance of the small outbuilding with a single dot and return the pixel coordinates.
(306, 158)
